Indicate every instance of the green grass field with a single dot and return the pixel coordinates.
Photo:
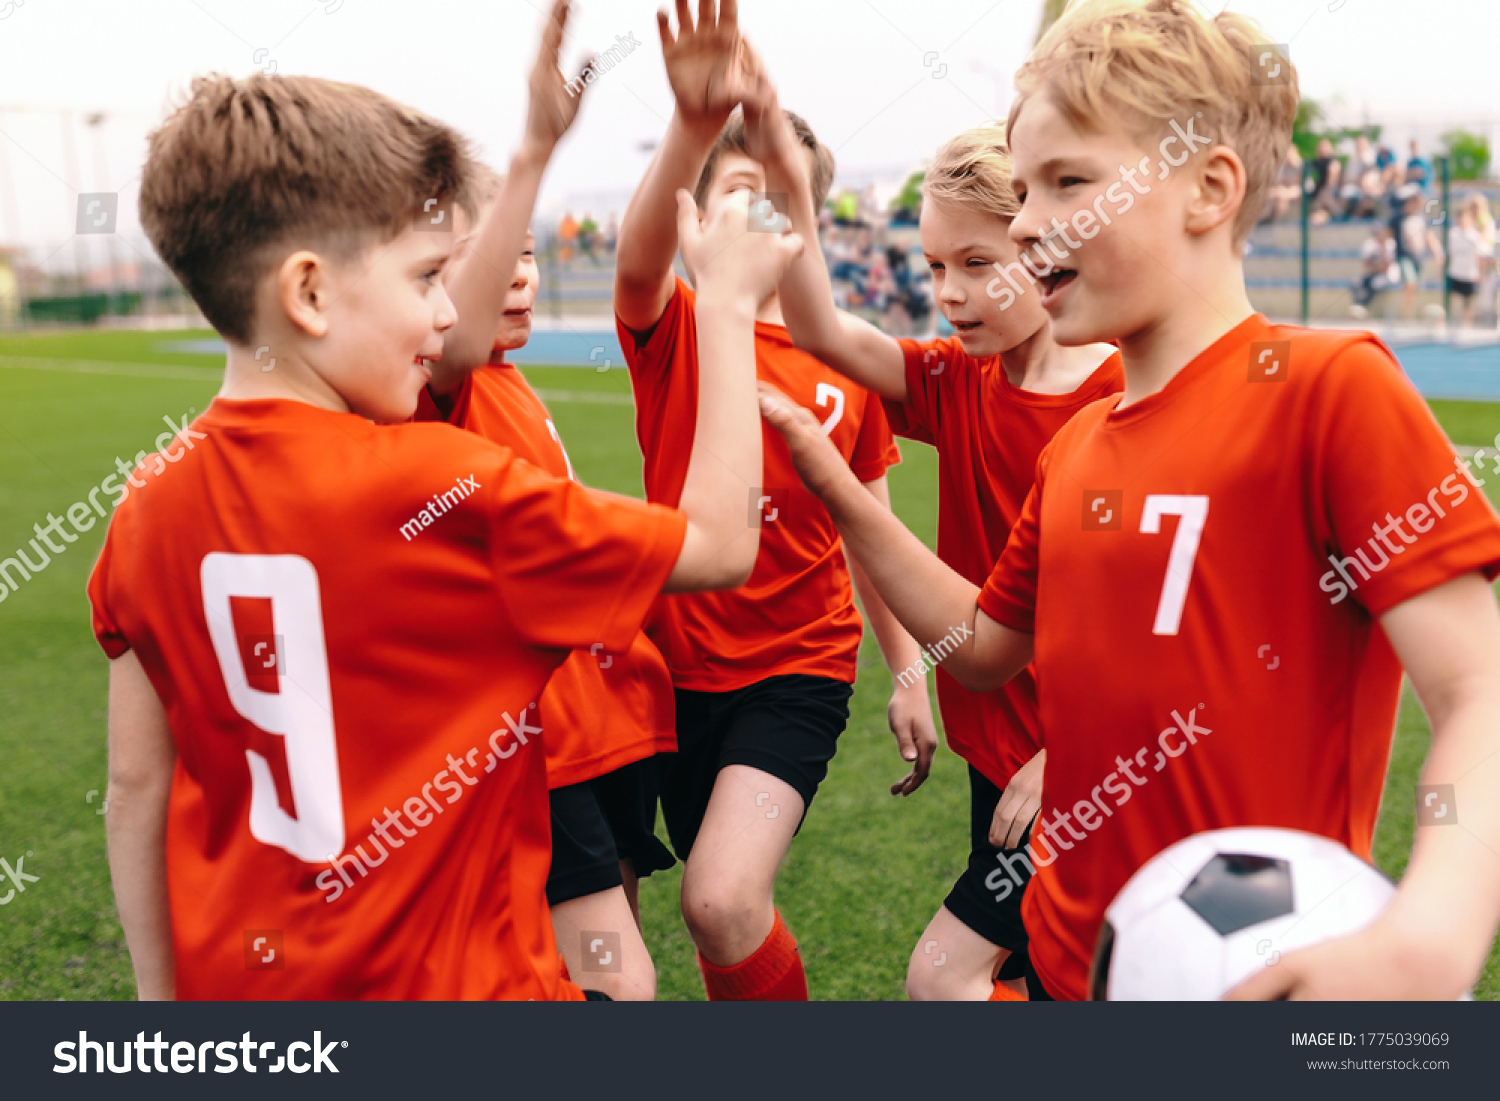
(862, 880)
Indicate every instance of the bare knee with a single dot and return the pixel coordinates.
(925, 979)
(725, 918)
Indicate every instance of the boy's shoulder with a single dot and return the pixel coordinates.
(1315, 355)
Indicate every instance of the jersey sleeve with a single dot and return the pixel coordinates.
(578, 566)
(658, 345)
(104, 620)
(875, 449)
(1009, 593)
(1391, 488)
(927, 361)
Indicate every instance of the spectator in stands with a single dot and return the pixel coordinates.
(1467, 253)
(567, 232)
(1324, 173)
(1380, 271)
(910, 304)
(1415, 243)
(1418, 170)
(1361, 181)
(611, 233)
(1484, 222)
(1286, 189)
(588, 237)
(1369, 197)
(846, 208)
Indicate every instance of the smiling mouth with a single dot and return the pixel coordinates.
(966, 326)
(1057, 280)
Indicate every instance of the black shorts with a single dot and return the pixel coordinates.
(1035, 991)
(600, 822)
(1464, 288)
(785, 725)
(987, 897)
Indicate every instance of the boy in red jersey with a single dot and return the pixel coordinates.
(603, 715)
(326, 635)
(989, 400)
(1220, 587)
(763, 675)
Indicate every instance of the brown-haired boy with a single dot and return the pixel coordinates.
(325, 634)
(1199, 664)
(763, 675)
(603, 716)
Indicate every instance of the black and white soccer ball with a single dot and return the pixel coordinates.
(1208, 912)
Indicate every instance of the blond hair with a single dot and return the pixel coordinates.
(1146, 63)
(246, 167)
(973, 171)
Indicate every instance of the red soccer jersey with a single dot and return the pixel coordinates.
(347, 626)
(796, 614)
(1203, 571)
(600, 710)
(988, 435)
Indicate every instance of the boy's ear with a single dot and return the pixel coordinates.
(304, 292)
(1220, 190)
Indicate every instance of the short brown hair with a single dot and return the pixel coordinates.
(1145, 63)
(731, 139)
(973, 171)
(245, 166)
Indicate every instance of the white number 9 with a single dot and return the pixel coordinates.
(301, 712)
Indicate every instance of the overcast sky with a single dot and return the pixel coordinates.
(883, 82)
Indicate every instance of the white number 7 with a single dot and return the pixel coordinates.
(1192, 512)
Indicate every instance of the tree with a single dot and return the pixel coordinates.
(1468, 154)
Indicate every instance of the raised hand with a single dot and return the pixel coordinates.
(552, 107)
(704, 66)
(727, 256)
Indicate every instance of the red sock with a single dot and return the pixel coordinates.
(772, 974)
(1003, 993)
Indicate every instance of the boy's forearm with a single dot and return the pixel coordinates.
(647, 242)
(859, 352)
(1448, 904)
(136, 827)
(142, 757)
(479, 287)
(926, 597)
(897, 646)
(1449, 896)
(726, 457)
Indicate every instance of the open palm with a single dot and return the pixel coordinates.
(552, 107)
(703, 61)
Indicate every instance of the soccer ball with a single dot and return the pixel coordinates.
(1204, 914)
